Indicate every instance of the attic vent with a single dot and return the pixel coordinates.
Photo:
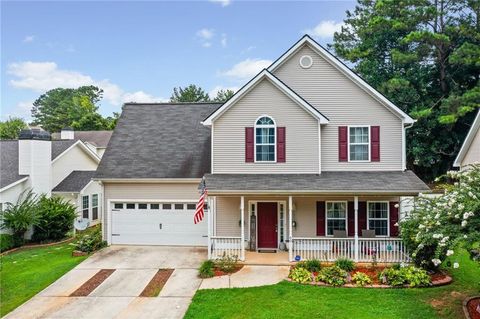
(306, 61)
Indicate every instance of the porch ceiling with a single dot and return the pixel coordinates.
(373, 182)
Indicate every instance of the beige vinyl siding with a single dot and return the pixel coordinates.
(74, 159)
(344, 103)
(304, 213)
(148, 191)
(265, 99)
(473, 153)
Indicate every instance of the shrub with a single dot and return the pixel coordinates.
(312, 265)
(21, 216)
(361, 279)
(412, 276)
(438, 225)
(7, 242)
(333, 275)
(300, 275)
(345, 264)
(227, 263)
(91, 242)
(206, 269)
(56, 217)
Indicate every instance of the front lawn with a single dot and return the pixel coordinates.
(290, 300)
(26, 272)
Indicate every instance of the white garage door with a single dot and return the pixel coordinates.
(157, 224)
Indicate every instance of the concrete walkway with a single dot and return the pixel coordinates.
(248, 276)
(117, 296)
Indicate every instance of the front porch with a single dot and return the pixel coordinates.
(295, 229)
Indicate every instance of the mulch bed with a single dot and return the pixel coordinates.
(471, 307)
(92, 283)
(438, 279)
(218, 272)
(156, 284)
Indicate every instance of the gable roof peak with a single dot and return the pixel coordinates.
(266, 74)
(343, 68)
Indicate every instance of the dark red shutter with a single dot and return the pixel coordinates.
(281, 145)
(320, 218)
(362, 217)
(375, 143)
(249, 144)
(393, 219)
(342, 144)
(351, 219)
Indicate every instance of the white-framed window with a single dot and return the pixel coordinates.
(281, 217)
(85, 206)
(265, 139)
(378, 218)
(94, 206)
(336, 216)
(359, 143)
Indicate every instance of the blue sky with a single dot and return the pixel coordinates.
(139, 51)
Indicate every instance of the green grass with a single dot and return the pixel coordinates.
(26, 272)
(290, 300)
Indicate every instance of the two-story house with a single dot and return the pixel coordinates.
(305, 158)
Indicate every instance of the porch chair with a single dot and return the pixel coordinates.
(339, 234)
(368, 233)
(338, 248)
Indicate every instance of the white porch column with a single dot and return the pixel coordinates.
(290, 231)
(209, 224)
(242, 221)
(355, 209)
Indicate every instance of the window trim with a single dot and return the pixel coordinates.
(326, 216)
(86, 208)
(97, 206)
(388, 217)
(369, 143)
(274, 126)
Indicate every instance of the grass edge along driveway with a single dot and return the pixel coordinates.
(26, 272)
(290, 300)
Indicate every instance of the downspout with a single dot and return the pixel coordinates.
(404, 146)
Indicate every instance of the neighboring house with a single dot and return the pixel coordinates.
(470, 151)
(305, 157)
(62, 167)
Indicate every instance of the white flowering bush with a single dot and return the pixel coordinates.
(438, 225)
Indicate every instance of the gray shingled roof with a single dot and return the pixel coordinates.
(9, 163)
(58, 147)
(327, 182)
(160, 140)
(74, 182)
(98, 138)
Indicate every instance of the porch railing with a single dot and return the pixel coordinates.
(386, 250)
(225, 246)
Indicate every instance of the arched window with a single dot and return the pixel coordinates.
(265, 139)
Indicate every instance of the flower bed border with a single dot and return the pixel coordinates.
(465, 305)
(30, 246)
(435, 283)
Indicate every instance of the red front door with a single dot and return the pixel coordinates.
(267, 225)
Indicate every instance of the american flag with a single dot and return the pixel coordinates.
(199, 212)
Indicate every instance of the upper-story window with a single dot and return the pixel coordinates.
(359, 143)
(265, 140)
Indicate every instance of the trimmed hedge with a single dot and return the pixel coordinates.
(7, 242)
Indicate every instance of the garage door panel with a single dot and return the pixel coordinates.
(157, 227)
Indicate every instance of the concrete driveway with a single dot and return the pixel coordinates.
(117, 296)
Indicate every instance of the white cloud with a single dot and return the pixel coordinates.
(223, 3)
(325, 29)
(213, 92)
(247, 68)
(206, 35)
(44, 76)
(223, 41)
(28, 39)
